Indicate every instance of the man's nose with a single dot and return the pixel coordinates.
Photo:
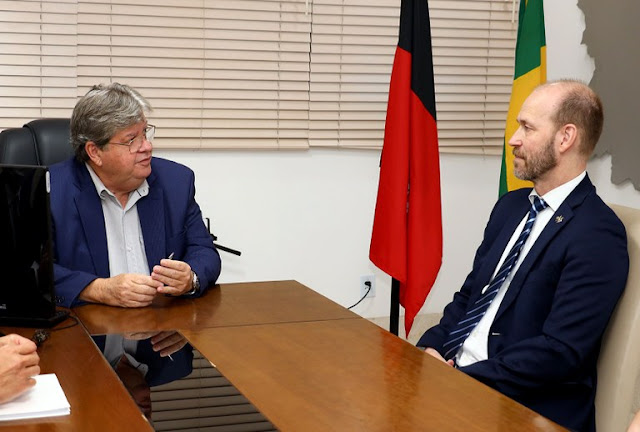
(516, 139)
(146, 145)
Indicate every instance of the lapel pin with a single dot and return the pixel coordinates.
(559, 219)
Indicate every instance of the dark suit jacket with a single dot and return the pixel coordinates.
(170, 218)
(545, 339)
(162, 370)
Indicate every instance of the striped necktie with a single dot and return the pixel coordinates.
(473, 316)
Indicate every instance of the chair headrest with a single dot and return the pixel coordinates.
(51, 137)
(16, 147)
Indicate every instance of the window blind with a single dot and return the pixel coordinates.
(257, 73)
(353, 42)
(37, 60)
(220, 74)
(351, 58)
(204, 401)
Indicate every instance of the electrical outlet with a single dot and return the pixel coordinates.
(363, 285)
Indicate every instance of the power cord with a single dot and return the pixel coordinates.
(368, 284)
(73, 324)
(41, 335)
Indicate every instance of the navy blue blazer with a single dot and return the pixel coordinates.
(545, 340)
(162, 370)
(170, 218)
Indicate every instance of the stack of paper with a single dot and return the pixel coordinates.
(45, 399)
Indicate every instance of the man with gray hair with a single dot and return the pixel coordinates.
(126, 224)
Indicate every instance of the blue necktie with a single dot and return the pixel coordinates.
(473, 316)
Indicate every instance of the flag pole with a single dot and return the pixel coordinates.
(394, 313)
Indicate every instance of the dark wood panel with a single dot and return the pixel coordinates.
(222, 305)
(99, 401)
(352, 375)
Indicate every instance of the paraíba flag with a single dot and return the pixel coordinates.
(406, 242)
(530, 71)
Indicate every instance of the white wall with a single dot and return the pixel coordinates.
(567, 58)
(307, 215)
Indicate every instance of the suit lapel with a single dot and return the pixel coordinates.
(151, 214)
(500, 243)
(89, 208)
(561, 218)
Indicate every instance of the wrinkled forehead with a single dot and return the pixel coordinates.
(133, 129)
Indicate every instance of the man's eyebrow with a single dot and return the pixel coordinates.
(523, 122)
(134, 134)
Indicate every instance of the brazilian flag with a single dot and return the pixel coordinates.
(530, 71)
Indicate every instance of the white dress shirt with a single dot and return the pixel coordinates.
(125, 246)
(475, 347)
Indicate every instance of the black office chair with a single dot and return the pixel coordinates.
(39, 142)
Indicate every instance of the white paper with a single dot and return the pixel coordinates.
(45, 399)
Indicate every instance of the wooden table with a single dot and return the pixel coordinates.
(99, 401)
(351, 375)
(305, 362)
(221, 306)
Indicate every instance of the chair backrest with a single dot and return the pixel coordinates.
(619, 363)
(39, 142)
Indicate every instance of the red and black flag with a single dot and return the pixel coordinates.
(406, 242)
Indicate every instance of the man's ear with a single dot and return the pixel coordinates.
(568, 136)
(94, 152)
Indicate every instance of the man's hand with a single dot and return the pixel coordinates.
(125, 290)
(174, 275)
(166, 342)
(18, 365)
(436, 354)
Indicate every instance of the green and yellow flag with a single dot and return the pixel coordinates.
(530, 71)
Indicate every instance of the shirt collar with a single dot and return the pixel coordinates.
(143, 189)
(555, 197)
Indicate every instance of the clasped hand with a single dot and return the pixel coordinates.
(165, 342)
(174, 275)
(132, 290)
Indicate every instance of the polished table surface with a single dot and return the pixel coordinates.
(305, 362)
(99, 401)
(351, 375)
(221, 306)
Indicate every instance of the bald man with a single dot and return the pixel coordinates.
(552, 265)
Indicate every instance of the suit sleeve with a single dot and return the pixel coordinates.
(436, 336)
(591, 280)
(200, 252)
(69, 284)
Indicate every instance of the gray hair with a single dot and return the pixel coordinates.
(102, 112)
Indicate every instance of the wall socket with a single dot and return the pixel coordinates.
(363, 287)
